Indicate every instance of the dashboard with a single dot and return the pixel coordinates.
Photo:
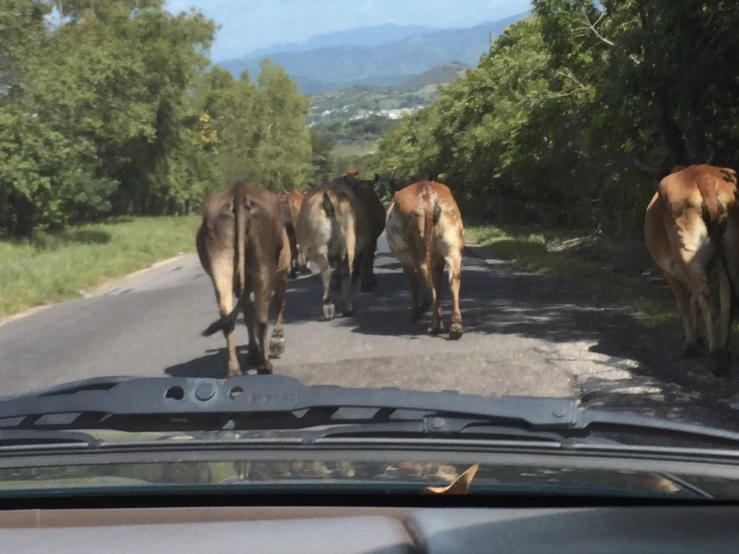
(372, 530)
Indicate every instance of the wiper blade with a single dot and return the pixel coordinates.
(277, 402)
(14, 438)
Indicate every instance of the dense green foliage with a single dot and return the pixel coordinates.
(540, 130)
(106, 108)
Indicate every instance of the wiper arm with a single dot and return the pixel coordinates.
(278, 402)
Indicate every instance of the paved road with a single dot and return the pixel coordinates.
(525, 335)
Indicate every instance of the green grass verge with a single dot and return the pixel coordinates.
(533, 251)
(54, 267)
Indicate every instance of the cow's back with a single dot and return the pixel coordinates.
(215, 236)
(407, 215)
(314, 224)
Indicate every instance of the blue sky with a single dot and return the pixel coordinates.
(250, 24)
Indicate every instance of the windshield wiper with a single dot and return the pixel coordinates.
(13, 438)
(275, 402)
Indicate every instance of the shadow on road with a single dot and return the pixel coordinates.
(628, 366)
(213, 365)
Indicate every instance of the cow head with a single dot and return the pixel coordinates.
(353, 171)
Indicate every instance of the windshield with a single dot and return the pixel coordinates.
(532, 200)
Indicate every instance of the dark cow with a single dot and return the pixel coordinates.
(244, 248)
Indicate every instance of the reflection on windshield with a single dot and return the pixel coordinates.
(366, 476)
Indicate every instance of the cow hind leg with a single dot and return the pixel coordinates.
(455, 283)
(277, 341)
(250, 315)
(720, 356)
(261, 300)
(688, 307)
(700, 340)
(223, 285)
(371, 254)
(436, 272)
(346, 287)
(410, 274)
(329, 308)
(723, 357)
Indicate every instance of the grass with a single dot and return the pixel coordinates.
(356, 148)
(54, 267)
(534, 250)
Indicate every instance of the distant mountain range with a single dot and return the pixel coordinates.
(368, 37)
(360, 57)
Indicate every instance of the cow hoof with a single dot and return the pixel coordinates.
(265, 369)
(277, 346)
(456, 331)
(691, 351)
(329, 311)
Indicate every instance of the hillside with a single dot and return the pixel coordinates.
(325, 69)
(360, 101)
(440, 74)
(353, 119)
(369, 37)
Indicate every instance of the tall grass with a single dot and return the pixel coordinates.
(60, 266)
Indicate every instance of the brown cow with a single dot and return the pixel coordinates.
(424, 231)
(333, 230)
(243, 247)
(690, 229)
(290, 205)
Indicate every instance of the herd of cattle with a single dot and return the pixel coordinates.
(252, 240)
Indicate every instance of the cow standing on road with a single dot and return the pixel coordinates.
(425, 232)
(334, 230)
(375, 213)
(244, 248)
(691, 228)
(290, 203)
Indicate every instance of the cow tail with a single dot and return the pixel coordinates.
(228, 322)
(712, 210)
(431, 218)
(328, 206)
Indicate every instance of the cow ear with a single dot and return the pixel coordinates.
(377, 178)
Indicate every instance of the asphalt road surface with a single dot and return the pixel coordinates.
(525, 335)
